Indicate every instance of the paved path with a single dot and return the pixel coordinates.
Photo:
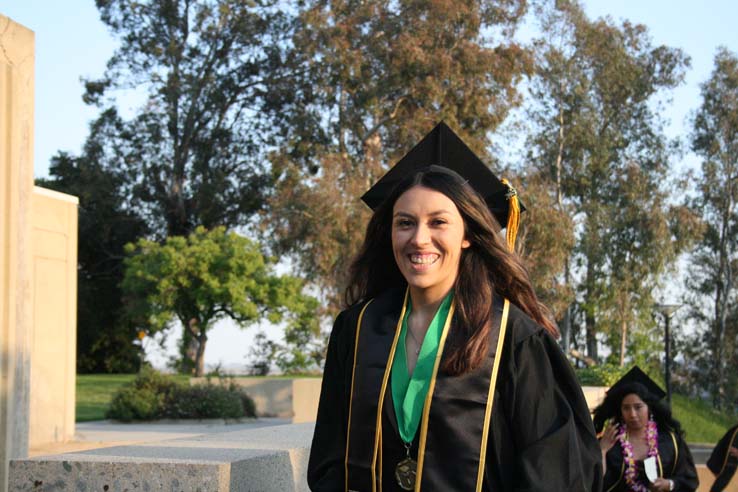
(106, 433)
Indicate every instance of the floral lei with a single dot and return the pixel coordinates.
(631, 473)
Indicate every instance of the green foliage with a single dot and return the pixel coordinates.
(207, 276)
(205, 401)
(600, 375)
(144, 398)
(153, 395)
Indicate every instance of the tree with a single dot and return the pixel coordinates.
(208, 276)
(597, 136)
(372, 78)
(105, 224)
(192, 154)
(714, 265)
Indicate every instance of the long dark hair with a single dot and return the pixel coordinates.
(610, 408)
(485, 267)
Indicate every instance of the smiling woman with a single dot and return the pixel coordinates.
(443, 374)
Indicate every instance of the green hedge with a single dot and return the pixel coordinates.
(153, 395)
(600, 375)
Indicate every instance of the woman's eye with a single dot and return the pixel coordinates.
(438, 222)
(403, 223)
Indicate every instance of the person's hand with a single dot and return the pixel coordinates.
(661, 485)
(733, 451)
(608, 437)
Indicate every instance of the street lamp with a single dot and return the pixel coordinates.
(667, 310)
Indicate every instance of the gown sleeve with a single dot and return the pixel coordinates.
(685, 474)
(554, 439)
(614, 472)
(326, 470)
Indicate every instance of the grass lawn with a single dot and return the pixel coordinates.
(94, 392)
(701, 422)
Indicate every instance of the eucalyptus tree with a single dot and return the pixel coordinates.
(193, 151)
(372, 77)
(598, 136)
(714, 265)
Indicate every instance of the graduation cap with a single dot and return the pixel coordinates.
(636, 375)
(442, 147)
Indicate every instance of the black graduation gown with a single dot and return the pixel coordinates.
(541, 436)
(676, 464)
(722, 464)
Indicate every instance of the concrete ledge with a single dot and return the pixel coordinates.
(267, 459)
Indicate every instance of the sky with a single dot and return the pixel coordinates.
(72, 43)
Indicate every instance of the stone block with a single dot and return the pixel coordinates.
(266, 459)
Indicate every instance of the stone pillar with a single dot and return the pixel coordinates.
(16, 190)
(53, 348)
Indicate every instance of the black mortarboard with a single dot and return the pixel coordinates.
(442, 147)
(636, 375)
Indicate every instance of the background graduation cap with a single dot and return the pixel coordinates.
(442, 147)
(636, 375)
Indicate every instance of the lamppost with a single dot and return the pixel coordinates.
(667, 310)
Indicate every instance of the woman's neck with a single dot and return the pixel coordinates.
(426, 301)
(637, 434)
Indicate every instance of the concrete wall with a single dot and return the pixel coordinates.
(16, 187)
(53, 346)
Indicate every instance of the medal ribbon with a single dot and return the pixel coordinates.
(408, 392)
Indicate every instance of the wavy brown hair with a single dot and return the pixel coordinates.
(485, 267)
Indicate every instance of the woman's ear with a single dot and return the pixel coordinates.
(465, 244)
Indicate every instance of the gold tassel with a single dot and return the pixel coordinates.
(513, 215)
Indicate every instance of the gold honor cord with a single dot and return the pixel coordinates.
(727, 451)
(351, 395)
(676, 452)
(429, 397)
(491, 394)
(385, 379)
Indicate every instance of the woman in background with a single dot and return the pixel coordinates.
(637, 427)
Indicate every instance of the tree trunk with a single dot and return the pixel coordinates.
(566, 330)
(623, 340)
(200, 356)
(589, 317)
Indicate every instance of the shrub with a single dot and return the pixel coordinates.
(601, 375)
(131, 403)
(205, 401)
(153, 395)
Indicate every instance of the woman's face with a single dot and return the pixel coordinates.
(427, 239)
(634, 412)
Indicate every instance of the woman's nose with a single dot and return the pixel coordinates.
(422, 234)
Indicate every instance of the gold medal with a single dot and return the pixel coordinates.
(406, 470)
